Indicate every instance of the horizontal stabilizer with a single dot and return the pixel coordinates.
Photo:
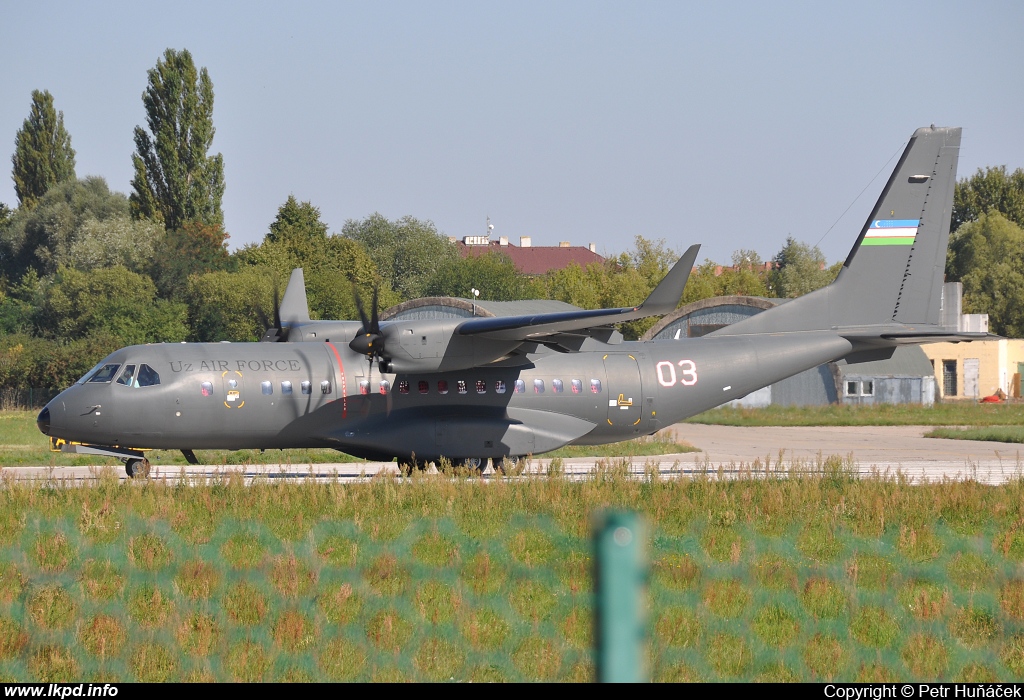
(661, 301)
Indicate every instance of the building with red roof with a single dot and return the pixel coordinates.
(530, 259)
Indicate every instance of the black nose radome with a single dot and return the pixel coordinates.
(43, 421)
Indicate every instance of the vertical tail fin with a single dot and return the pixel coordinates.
(894, 273)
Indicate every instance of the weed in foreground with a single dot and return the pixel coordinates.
(435, 549)
(243, 550)
(775, 572)
(973, 626)
(533, 600)
(389, 631)
(487, 673)
(924, 599)
(247, 662)
(52, 607)
(531, 547)
(194, 522)
(874, 626)
(823, 599)
(729, 655)
(291, 577)
(975, 673)
(970, 570)
(574, 571)
(678, 627)
(12, 638)
(11, 524)
(341, 660)
(870, 571)
(918, 544)
(101, 580)
(149, 606)
(437, 602)
(485, 629)
(438, 659)
(819, 543)
(1011, 599)
(483, 576)
(149, 552)
(776, 673)
(1012, 655)
(339, 603)
(12, 583)
(338, 551)
(677, 572)
(926, 656)
(245, 604)
(103, 636)
(678, 673)
(722, 543)
(386, 576)
(775, 626)
(294, 631)
(197, 579)
(153, 663)
(876, 673)
(825, 656)
(52, 552)
(726, 599)
(537, 659)
(1010, 543)
(54, 664)
(577, 628)
(199, 634)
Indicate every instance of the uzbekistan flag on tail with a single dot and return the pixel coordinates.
(891, 232)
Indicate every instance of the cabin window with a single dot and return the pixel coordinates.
(385, 386)
(520, 386)
(206, 388)
(364, 388)
(306, 387)
(595, 386)
(147, 376)
(442, 386)
(286, 388)
(499, 386)
(403, 386)
(460, 386)
(267, 388)
(481, 386)
(556, 386)
(325, 386)
(104, 374)
(577, 386)
(538, 386)
(424, 386)
(127, 377)
(233, 383)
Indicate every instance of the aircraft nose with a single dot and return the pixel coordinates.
(43, 421)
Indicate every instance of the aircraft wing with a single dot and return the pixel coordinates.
(662, 300)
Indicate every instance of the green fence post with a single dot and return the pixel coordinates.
(620, 560)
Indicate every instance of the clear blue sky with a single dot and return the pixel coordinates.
(728, 124)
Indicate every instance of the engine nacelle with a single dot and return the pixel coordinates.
(434, 346)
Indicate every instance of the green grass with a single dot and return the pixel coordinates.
(449, 578)
(967, 413)
(995, 433)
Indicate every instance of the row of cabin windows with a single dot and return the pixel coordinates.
(267, 388)
(423, 386)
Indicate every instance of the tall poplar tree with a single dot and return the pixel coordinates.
(175, 180)
(43, 155)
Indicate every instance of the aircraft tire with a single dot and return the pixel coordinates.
(475, 463)
(135, 468)
(507, 465)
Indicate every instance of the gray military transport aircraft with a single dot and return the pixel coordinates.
(504, 387)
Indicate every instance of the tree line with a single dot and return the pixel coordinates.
(85, 270)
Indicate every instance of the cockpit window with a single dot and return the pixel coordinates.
(105, 374)
(88, 375)
(127, 377)
(147, 376)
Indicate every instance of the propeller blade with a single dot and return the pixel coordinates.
(362, 310)
(375, 321)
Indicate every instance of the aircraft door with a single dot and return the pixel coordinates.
(625, 392)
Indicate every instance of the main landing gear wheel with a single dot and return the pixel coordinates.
(475, 463)
(137, 468)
